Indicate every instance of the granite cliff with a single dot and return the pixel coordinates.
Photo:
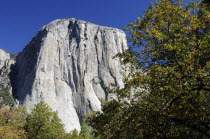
(66, 64)
(6, 60)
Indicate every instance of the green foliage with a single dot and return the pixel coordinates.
(44, 123)
(12, 122)
(73, 135)
(5, 95)
(167, 93)
(41, 123)
(85, 130)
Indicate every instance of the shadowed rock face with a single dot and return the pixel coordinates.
(66, 65)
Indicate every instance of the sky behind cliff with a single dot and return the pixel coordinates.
(20, 20)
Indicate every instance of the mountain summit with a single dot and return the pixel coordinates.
(66, 64)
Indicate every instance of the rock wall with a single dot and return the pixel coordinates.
(4, 57)
(6, 61)
(66, 64)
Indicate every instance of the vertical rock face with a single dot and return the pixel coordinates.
(5, 85)
(4, 57)
(66, 64)
(4, 69)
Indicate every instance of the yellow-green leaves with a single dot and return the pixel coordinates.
(12, 121)
(167, 92)
(44, 123)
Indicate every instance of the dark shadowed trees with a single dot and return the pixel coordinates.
(167, 93)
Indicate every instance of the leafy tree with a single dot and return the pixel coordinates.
(12, 122)
(44, 123)
(167, 93)
(85, 130)
(73, 135)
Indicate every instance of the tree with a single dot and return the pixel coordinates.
(44, 123)
(12, 122)
(73, 135)
(85, 130)
(167, 93)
